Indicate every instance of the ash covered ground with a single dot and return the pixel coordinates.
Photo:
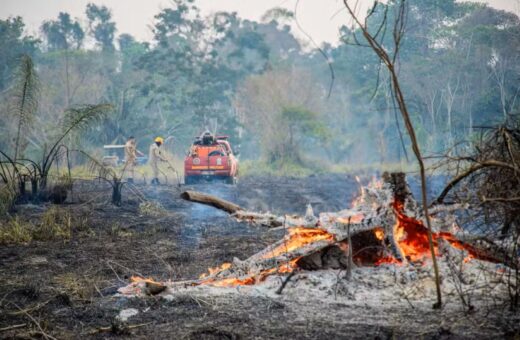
(68, 286)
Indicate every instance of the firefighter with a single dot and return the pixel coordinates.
(155, 157)
(130, 157)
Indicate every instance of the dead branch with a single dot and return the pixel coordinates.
(213, 201)
(285, 282)
(36, 323)
(470, 171)
(8, 328)
(389, 61)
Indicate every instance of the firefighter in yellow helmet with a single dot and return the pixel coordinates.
(156, 156)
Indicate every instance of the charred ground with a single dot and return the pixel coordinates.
(66, 286)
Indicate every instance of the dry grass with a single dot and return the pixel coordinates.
(55, 223)
(16, 231)
(152, 209)
(7, 198)
(78, 287)
(118, 231)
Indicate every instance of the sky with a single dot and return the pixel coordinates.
(319, 18)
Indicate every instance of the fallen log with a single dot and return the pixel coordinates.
(219, 203)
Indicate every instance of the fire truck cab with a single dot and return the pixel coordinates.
(210, 158)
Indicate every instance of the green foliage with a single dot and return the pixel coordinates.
(63, 34)
(25, 94)
(101, 26)
(13, 44)
(277, 13)
(458, 68)
(307, 122)
(81, 117)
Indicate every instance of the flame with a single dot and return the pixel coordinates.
(299, 237)
(252, 279)
(412, 238)
(388, 260)
(138, 279)
(410, 234)
(215, 270)
(380, 234)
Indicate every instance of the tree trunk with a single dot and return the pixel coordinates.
(213, 201)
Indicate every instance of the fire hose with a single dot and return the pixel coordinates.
(171, 167)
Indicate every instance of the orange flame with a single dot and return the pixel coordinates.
(387, 259)
(412, 238)
(215, 270)
(380, 234)
(137, 279)
(410, 234)
(252, 278)
(299, 237)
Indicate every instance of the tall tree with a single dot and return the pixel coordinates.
(13, 44)
(101, 26)
(63, 33)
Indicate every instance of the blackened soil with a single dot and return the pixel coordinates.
(63, 288)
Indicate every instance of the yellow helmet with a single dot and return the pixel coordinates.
(159, 140)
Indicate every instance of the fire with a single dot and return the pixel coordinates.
(412, 238)
(137, 279)
(299, 237)
(212, 271)
(380, 234)
(252, 279)
(387, 260)
(410, 234)
(296, 238)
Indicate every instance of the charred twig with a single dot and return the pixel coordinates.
(470, 171)
(36, 323)
(27, 310)
(111, 328)
(285, 282)
(348, 275)
(8, 328)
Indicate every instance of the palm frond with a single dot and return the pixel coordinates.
(96, 166)
(76, 118)
(25, 95)
(81, 117)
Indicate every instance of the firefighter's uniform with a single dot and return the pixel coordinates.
(155, 157)
(130, 157)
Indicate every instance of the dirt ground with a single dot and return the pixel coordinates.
(65, 288)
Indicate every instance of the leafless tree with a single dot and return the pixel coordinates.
(389, 58)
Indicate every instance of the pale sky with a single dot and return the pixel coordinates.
(319, 18)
